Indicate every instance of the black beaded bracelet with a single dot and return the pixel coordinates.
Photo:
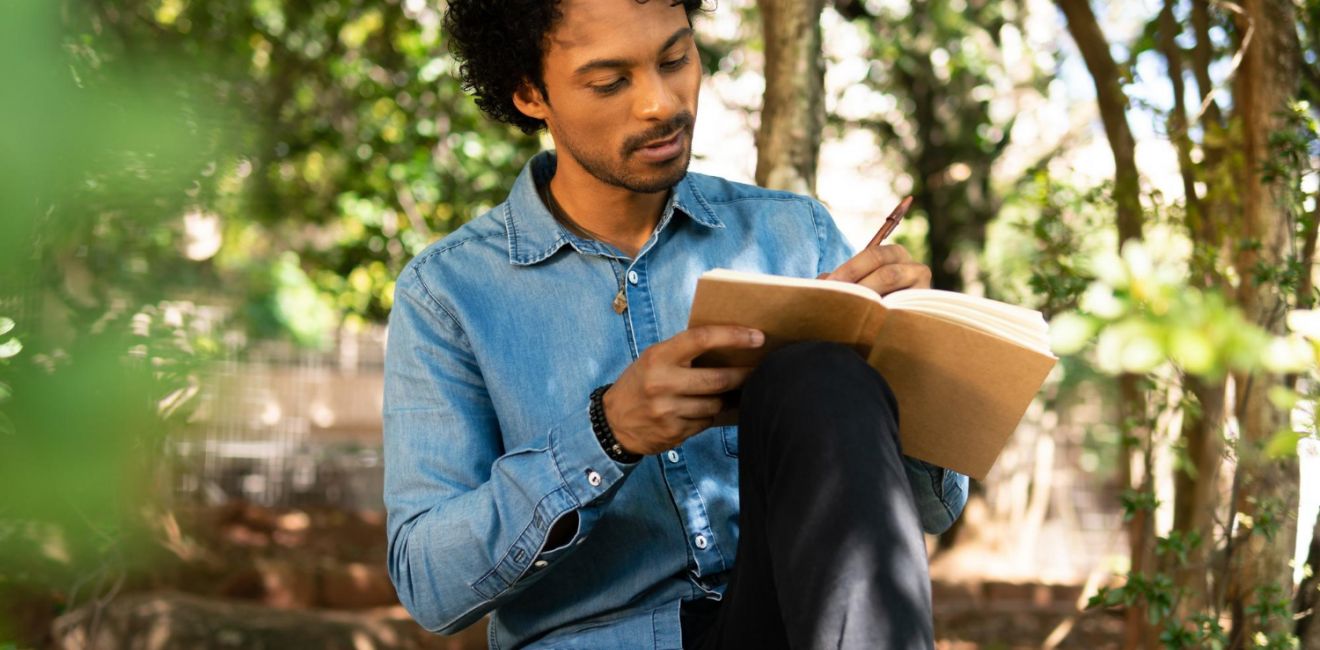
(601, 427)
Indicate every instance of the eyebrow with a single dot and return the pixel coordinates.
(597, 64)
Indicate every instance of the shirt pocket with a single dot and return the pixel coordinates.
(729, 437)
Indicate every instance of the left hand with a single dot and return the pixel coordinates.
(883, 269)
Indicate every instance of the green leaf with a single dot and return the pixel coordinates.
(10, 348)
(1070, 332)
(1283, 398)
(1283, 444)
(6, 325)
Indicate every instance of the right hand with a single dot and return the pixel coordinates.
(661, 400)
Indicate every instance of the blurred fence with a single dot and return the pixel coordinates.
(283, 426)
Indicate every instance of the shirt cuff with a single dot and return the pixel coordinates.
(940, 494)
(584, 467)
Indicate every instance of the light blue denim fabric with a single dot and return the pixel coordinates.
(499, 333)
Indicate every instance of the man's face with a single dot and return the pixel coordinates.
(622, 80)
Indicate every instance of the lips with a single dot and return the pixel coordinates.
(663, 150)
(660, 143)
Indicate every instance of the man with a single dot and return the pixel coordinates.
(550, 457)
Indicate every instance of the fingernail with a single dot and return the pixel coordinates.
(758, 338)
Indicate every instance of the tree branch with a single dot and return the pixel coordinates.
(1113, 103)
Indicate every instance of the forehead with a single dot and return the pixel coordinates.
(615, 29)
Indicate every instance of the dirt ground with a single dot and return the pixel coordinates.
(246, 576)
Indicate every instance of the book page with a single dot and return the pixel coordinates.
(1019, 325)
(766, 279)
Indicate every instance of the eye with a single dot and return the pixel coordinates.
(675, 64)
(609, 88)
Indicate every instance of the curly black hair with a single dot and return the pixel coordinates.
(499, 44)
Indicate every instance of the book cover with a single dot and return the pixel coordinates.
(964, 369)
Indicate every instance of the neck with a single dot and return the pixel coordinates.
(619, 216)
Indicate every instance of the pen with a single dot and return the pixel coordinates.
(891, 222)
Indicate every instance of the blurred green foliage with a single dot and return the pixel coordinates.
(1140, 314)
(362, 148)
(310, 148)
(278, 160)
(100, 154)
(945, 75)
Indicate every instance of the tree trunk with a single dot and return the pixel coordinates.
(793, 111)
(1196, 488)
(1178, 132)
(1138, 632)
(1196, 492)
(1267, 487)
(1113, 103)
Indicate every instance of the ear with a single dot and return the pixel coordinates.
(529, 101)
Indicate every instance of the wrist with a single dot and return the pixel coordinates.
(604, 432)
(610, 406)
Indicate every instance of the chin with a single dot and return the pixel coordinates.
(663, 176)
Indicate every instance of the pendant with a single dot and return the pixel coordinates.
(620, 302)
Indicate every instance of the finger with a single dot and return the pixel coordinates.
(869, 259)
(693, 426)
(692, 343)
(710, 381)
(699, 408)
(894, 277)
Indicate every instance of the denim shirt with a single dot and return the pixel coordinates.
(498, 335)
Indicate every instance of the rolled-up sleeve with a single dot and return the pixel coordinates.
(468, 521)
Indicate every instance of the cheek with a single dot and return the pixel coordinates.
(593, 130)
(691, 88)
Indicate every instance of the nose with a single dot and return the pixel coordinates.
(656, 101)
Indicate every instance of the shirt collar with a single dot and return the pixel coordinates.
(534, 235)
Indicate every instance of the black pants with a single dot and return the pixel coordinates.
(830, 552)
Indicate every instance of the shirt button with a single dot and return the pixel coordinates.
(700, 541)
(632, 277)
(540, 564)
(593, 477)
(673, 456)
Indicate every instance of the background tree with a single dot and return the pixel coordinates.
(941, 60)
(793, 111)
(362, 150)
(1113, 105)
(1241, 212)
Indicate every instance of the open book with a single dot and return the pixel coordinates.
(964, 369)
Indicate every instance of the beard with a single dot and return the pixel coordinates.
(653, 177)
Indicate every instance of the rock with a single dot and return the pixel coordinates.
(175, 621)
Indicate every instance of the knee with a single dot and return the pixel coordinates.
(809, 357)
(819, 373)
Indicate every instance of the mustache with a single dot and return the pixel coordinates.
(680, 122)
